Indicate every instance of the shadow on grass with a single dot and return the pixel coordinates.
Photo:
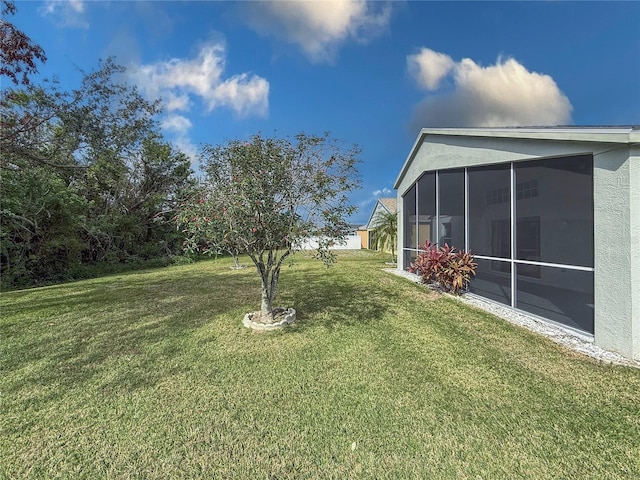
(121, 334)
(329, 300)
(129, 331)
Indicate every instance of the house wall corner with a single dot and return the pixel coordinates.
(634, 230)
(616, 241)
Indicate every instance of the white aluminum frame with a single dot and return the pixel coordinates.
(513, 222)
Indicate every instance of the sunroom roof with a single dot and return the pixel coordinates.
(629, 134)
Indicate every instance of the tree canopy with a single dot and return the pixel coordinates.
(18, 54)
(86, 177)
(266, 196)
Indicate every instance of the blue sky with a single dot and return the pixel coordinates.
(371, 73)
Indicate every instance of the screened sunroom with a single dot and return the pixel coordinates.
(552, 216)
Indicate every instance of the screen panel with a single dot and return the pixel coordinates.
(427, 208)
(409, 218)
(554, 210)
(408, 257)
(562, 295)
(490, 211)
(492, 280)
(451, 215)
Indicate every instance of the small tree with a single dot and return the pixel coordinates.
(266, 197)
(385, 232)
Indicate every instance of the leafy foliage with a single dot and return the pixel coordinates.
(18, 54)
(267, 196)
(385, 232)
(86, 178)
(104, 120)
(450, 269)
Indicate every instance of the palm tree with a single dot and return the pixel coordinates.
(385, 232)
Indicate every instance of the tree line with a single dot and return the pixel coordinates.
(86, 177)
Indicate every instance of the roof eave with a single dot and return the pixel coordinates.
(621, 135)
(412, 153)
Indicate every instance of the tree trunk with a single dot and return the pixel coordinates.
(269, 276)
(266, 307)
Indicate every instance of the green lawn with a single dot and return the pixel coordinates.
(151, 375)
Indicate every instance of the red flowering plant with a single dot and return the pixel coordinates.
(445, 266)
(267, 197)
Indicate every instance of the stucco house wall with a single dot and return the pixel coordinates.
(364, 238)
(616, 195)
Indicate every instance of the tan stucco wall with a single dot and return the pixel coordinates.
(364, 238)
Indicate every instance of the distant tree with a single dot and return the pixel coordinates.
(86, 177)
(41, 219)
(103, 120)
(267, 196)
(385, 232)
(18, 54)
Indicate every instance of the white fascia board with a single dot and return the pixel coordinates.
(580, 134)
(407, 162)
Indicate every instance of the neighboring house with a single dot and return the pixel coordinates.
(383, 205)
(363, 233)
(551, 214)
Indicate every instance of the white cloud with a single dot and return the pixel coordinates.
(176, 102)
(429, 67)
(69, 13)
(375, 195)
(384, 191)
(319, 28)
(177, 79)
(364, 203)
(176, 128)
(503, 94)
(179, 126)
(176, 123)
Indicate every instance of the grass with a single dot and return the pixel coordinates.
(151, 375)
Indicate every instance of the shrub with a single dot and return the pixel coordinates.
(182, 260)
(444, 266)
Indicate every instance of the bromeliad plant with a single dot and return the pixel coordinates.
(445, 266)
(267, 197)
